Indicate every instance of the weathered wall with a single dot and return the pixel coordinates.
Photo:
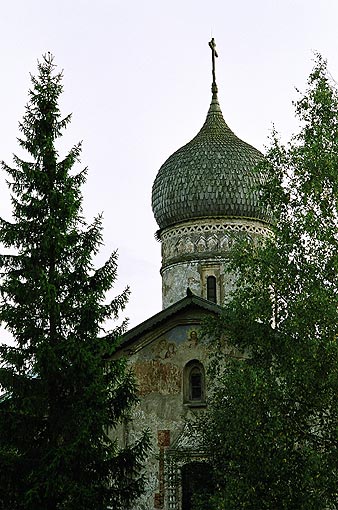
(195, 250)
(159, 368)
(176, 278)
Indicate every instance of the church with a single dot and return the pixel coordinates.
(202, 194)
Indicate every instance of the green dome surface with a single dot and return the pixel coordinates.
(212, 176)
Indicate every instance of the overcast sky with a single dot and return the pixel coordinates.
(137, 78)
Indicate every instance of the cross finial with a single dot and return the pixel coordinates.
(214, 54)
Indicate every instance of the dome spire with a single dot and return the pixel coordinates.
(212, 176)
(214, 54)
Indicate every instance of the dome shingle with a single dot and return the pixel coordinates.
(212, 176)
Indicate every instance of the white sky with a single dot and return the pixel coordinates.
(138, 78)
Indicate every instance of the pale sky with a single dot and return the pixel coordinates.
(137, 78)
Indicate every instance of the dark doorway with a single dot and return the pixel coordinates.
(196, 481)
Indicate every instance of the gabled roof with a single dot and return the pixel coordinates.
(188, 303)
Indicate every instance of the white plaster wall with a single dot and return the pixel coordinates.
(159, 370)
(197, 249)
(176, 278)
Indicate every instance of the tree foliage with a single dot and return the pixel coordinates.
(272, 424)
(61, 400)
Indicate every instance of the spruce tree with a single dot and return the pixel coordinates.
(272, 424)
(61, 398)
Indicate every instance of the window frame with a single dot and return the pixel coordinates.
(193, 367)
(212, 289)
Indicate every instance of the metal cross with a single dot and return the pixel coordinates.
(214, 53)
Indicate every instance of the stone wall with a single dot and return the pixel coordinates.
(159, 369)
(193, 251)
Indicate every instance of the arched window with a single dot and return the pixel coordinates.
(194, 383)
(211, 289)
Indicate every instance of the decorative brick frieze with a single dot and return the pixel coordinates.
(214, 225)
(195, 250)
(195, 240)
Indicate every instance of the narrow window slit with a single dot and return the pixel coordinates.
(211, 289)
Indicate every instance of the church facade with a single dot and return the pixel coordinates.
(202, 194)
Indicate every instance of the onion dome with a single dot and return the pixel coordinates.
(212, 176)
